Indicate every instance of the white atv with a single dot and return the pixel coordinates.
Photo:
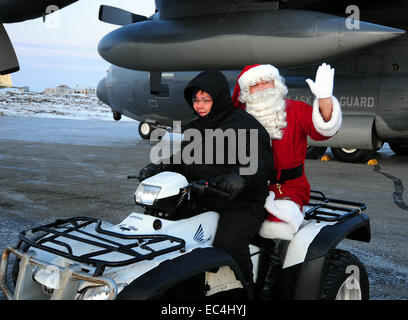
(159, 255)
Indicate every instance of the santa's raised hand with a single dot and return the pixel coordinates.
(326, 108)
(322, 87)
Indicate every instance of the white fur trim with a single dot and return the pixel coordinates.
(261, 72)
(276, 230)
(285, 210)
(265, 72)
(329, 128)
(270, 202)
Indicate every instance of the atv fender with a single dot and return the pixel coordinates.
(311, 273)
(172, 272)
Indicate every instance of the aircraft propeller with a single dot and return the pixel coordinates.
(117, 16)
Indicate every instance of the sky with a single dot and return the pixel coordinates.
(64, 49)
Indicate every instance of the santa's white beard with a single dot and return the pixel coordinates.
(268, 107)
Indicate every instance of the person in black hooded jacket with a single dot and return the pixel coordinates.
(242, 214)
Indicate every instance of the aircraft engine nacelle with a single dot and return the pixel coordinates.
(357, 131)
(285, 38)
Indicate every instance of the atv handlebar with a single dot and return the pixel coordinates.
(133, 177)
(202, 186)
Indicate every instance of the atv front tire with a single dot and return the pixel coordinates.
(346, 278)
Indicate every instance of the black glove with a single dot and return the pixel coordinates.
(231, 183)
(149, 171)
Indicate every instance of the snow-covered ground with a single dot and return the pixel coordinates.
(14, 103)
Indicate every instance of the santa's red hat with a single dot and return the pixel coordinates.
(250, 76)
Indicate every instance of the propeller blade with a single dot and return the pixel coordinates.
(119, 16)
(8, 58)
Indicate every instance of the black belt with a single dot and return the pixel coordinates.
(286, 174)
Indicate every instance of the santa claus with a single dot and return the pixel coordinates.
(261, 91)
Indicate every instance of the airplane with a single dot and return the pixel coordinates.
(185, 36)
(370, 65)
(128, 93)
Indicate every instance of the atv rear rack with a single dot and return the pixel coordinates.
(71, 229)
(327, 209)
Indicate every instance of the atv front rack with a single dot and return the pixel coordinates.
(327, 209)
(102, 242)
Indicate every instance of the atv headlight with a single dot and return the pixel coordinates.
(98, 292)
(48, 277)
(95, 293)
(146, 194)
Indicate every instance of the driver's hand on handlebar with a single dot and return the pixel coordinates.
(231, 183)
(149, 171)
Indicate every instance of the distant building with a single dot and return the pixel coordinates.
(64, 90)
(87, 91)
(24, 89)
(5, 81)
(50, 91)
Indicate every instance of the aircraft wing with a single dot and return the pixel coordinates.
(17, 11)
(20, 10)
(170, 9)
(391, 13)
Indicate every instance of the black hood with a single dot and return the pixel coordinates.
(216, 85)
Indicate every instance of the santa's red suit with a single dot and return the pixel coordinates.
(289, 144)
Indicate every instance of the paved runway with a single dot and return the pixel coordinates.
(62, 168)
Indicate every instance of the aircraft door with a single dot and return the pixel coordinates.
(158, 104)
(164, 94)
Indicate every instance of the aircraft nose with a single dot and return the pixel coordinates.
(101, 91)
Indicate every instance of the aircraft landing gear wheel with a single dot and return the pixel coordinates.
(145, 130)
(346, 278)
(315, 152)
(116, 115)
(351, 154)
(399, 149)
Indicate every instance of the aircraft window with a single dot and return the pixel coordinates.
(169, 76)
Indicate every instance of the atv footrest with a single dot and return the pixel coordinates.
(64, 237)
(328, 209)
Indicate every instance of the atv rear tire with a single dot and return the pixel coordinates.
(346, 278)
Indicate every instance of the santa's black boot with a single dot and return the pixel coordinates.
(275, 254)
